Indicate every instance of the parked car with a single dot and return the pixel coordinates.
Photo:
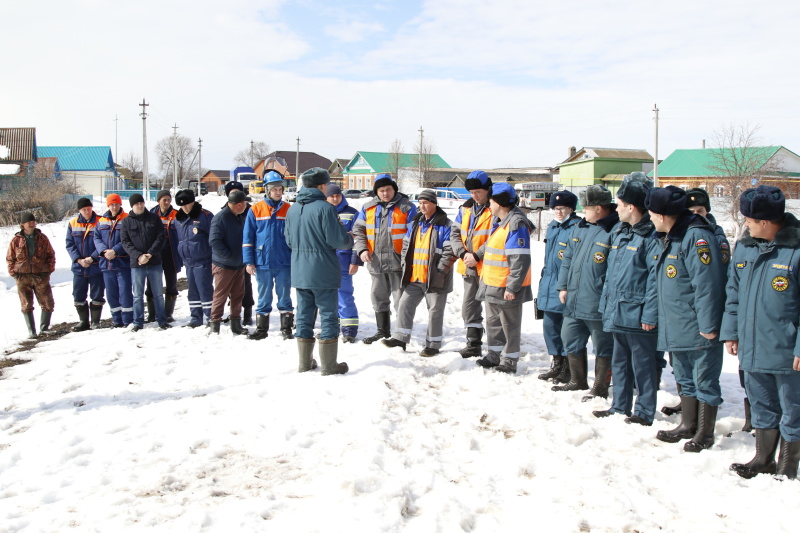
(352, 193)
(367, 193)
(290, 194)
(192, 184)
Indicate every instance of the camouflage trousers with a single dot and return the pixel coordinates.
(38, 284)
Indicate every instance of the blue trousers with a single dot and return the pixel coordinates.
(308, 301)
(152, 274)
(697, 372)
(552, 333)
(201, 292)
(634, 364)
(279, 279)
(575, 333)
(119, 291)
(775, 402)
(92, 286)
(348, 312)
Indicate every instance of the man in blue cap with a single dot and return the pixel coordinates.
(762, 314)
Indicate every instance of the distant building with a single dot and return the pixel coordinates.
(360, 171)
(18, 155)
(90, 167)
(602, 166)
(336, 170)
(408, 179)
(289, 163)
(702, 167)
(216, 179)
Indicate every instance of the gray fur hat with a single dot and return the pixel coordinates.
(634, 188)
(314, 177)
(595, 195)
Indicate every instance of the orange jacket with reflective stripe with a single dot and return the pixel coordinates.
(397, 225)
(473, 236)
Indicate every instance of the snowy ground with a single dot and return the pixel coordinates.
(176, 431)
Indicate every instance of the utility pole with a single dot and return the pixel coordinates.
(251, 154)
(297, 163)
(419, 159)
(145, 174)
(199, 163)
(655, 155)
(116, 134)
(175, 155)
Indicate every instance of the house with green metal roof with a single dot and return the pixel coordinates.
(602, 166)
(360, 172)
(90, 167)
(715, 169)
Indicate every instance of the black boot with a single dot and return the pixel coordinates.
(383, 319)
(556, 366)
(764, 461)
(688, 426)
(578, 369)
(474, 343)
(704, 438)
(214, 327)
(565, 376)
(287, 323)
(31, 324)
(391, 342)
(602, 379)
(83, 316)
(788, 459)
(236, 327)
(669, 411)
(169, 306)
(247, 315)
(490, 360)
(95, 311)
(151, 310)
(44, 321)
(262, 328)
(748, 427)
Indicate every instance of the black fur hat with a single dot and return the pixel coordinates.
(669, 200)
(763, 203)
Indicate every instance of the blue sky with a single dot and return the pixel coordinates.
(493, 83)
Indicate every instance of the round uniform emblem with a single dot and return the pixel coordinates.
(194, 230)
(561, 254)
(671, 271)
(599, 257)
(780, 283)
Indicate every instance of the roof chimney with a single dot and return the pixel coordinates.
(704, 144)
(572, 151)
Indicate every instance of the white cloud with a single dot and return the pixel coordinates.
(354, 31)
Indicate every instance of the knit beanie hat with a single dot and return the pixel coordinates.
(478, 179)
(162, 193)
(314, 177)
(504, 194)
(135, 199)
(563, 198)
(428, 195)
(333, 189)
(382, 180)
(669, 200)
(27, 217)
(698, 196)
(84, 202)
(595, 195)
(184, 197)
(763, 203)
(113, 198)
(634, 187)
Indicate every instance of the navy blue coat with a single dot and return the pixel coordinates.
(80, 244)
(762, 311)
(314, 233)
(143, 234)
(108, 236)
(347, 216)
(194, 231)
(691, 285)
(630, 296)
(226, 239)
(583, 268)
(556, 239)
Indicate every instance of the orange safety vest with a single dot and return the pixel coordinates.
(167, 219)
(495, 261)
(263, 211)
(397, 225)
(481, 232)
(422, 255)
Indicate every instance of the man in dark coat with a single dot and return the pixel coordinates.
(170, 258)
(314, 233)
(227, 264)
(143, 239)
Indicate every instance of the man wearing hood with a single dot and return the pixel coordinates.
(348, 263)
(194, 230)
(379, 231)
(314, 233)
(427, 261)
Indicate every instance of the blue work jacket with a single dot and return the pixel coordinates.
(194, 231)
(556, 239)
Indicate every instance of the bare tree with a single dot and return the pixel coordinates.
(48, 204)
(130, 167)
(395, 159)
(183, 159)
(424, 162)
(739, 162)
(248, 157)
(45, 168)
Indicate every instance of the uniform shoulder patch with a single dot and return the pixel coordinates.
(599, 257)
(701, 242)
(704, 253)
(521, 242)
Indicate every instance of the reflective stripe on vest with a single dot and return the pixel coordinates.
(495, 260)
(422, 255)
(480, 234)
(397, 226)
(263, 211)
